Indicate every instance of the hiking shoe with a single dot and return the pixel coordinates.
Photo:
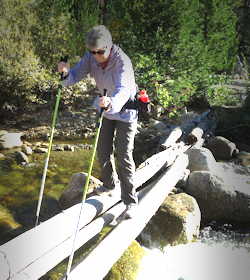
(101, 190)
(130, 211)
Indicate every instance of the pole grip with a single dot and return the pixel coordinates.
(105, 93)
(65, 59)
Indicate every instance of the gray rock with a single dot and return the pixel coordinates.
(26, 149)
(156, 111)
(73, 194)
(201, 160)
(9, 140)
(21, 157)
(40, 150)
(177, 220)
(221, 198)
(221, 148)
(160, 126)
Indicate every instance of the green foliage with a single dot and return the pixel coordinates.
(34, 35)
(243, 25)
(19, 65)
(184, 41)
(62, 28)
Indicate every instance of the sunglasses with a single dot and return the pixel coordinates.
(99, 52)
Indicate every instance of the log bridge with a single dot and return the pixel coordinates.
(35, 252)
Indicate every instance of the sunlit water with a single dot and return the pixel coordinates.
(220, 254)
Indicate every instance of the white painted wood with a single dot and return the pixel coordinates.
(95, 265)
(46, 262)
(31, 247)
(173, 137)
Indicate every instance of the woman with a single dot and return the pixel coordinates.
(112, 70)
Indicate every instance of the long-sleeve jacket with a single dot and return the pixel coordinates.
(118, 78)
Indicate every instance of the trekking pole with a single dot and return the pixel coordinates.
(50, 143)
(99, 124)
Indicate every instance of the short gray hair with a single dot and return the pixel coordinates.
(98, 35)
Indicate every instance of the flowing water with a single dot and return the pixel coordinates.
(219, 253)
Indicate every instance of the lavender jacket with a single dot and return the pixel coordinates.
(118, 78)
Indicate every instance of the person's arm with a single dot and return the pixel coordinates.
(124, 81)
(76, 74)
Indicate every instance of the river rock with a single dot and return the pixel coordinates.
(176, 222)
(156, 111)
(178, 218)
(221, 148)
(40, 150)
(73, 194)
(159, 126)
(129, 264)
(21, 158)
(9, 140)
(223, 197)
(243, 158)
(26, 149)
(201, 159)
(7, 223)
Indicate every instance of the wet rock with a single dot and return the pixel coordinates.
(40, 150)
(73, 194)
(129, 264)
(221, 148)
(201, 160)
(221, 197)
(7, 223)
(21, 158)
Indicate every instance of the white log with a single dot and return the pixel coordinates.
(192, 126)
(46, 262)
(173, 137)
(25, 249)
(95, 265)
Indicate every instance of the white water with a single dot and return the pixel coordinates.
(217, 255)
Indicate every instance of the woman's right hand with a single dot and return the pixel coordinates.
(63, 67)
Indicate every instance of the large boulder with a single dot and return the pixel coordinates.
(73, 194)
(9, 140)
(222, 197)
(201, 159)
(177, 220)
(221, 148)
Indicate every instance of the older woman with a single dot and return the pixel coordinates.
(112, 70)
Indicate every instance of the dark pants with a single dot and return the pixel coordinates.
(125, 133)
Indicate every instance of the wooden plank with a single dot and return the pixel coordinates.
(95, 265)
(46, 262)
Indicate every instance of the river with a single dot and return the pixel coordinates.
(221, 252)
